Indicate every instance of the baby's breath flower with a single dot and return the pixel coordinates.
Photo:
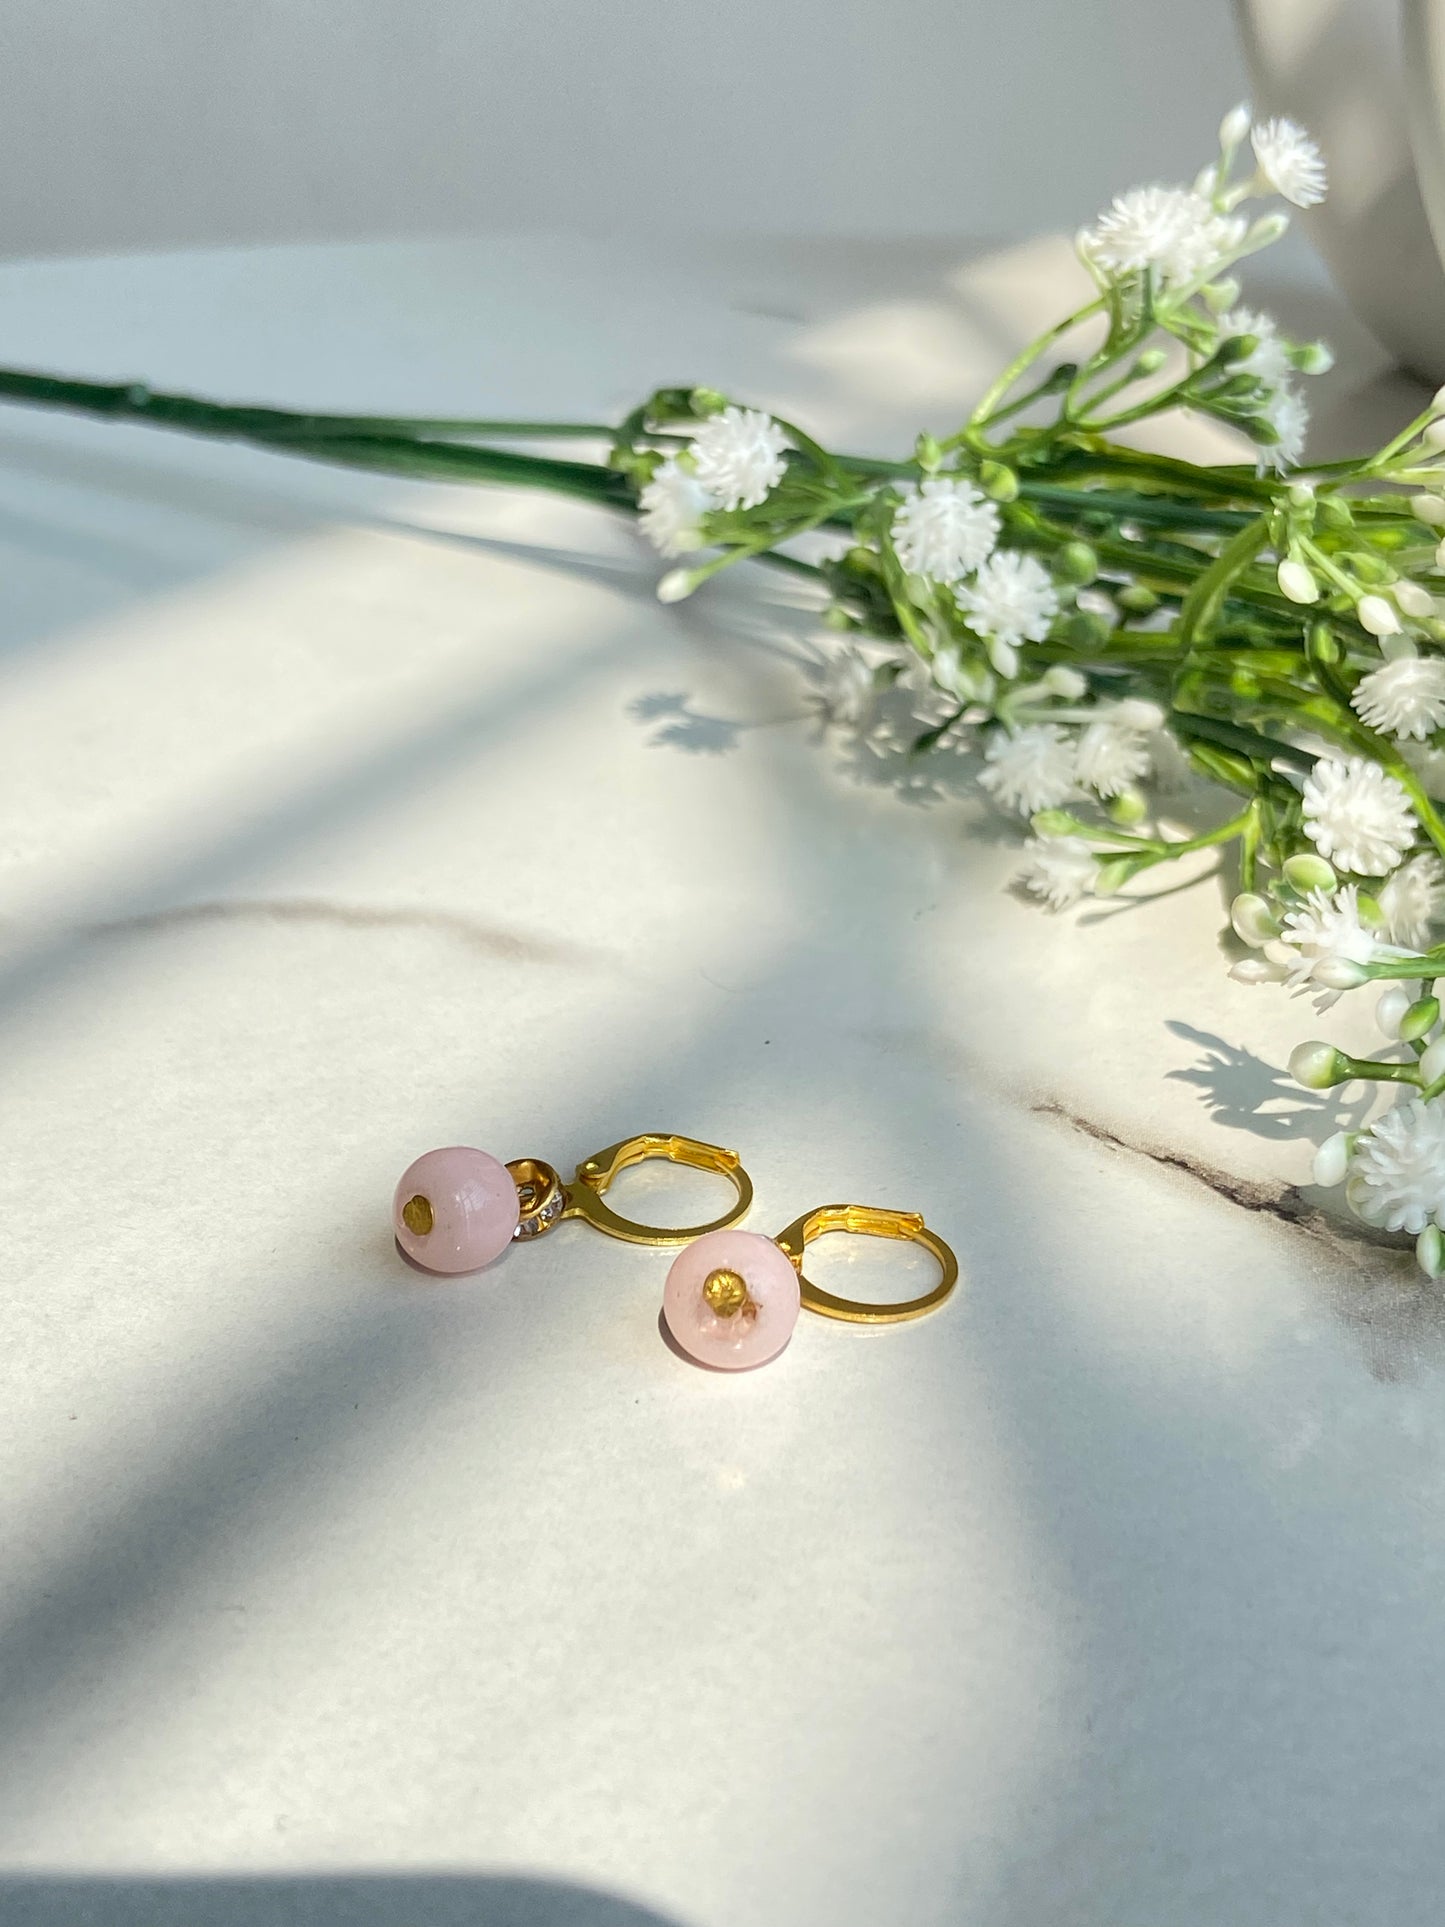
(1111, 756)
(672, 506)
(1323, 932)
(1411, 900)
(1173, 230)
(1031, 769)
(1060, 869)
(1403, 698)
(944, 529)
(1011, 600)
(1290, 162)
(1288, 415)
(1396, 1177)
(1357, 816)
(738, 456)
(1269, 360)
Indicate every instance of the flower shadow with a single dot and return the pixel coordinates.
(1244, 1093)
(685, 728)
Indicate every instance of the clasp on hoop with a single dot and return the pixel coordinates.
(869, 1221)
(545, 1199)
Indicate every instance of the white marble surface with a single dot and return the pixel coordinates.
(342, 818)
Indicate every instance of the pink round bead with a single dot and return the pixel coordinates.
(471, 1201)
(750, 1335)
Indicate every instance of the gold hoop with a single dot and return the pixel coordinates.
(547, 1200)
(869, 1221)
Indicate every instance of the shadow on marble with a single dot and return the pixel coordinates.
(1242, 1092)
(315, 1900)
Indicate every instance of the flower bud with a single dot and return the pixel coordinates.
(707, 401)
(1149, 363)
(1086, 630)
(1053, 823)
(1430, 1251)
(1004, 657)
(1237, 348)
(1322, 644)
(1317, 1065)
(676, 586)
(1305, 872)
(1076, 562)
(1395, 1000)
(1267, 230)
(1138, 600)
(1234, 128)
(1065, 682)
(1412, 598)
(928, 454)
(1296, 581)
(1332, 1161)
(1301, 495)
(1340, 973)
(1419, 1020)
(998, 481)
(1335, 512)
(1127, 808)
(1432, 1063)
(1314, 358)
(1372, 917)
(1371, 568)
(1254, 921)
(1433, 436)
(1220, 296)
(1376, 615)
(1137, 712)
(1429, 509)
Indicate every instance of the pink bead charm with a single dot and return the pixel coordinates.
(731, 1299)
(455, 1209)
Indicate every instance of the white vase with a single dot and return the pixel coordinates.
(1365, 76)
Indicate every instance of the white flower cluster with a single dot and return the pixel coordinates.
(946, 530)
(1328, 937)
(1185, 238)
(1175, 231)
(734, 461)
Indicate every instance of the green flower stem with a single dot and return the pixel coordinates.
(1019, 366)
(134, 401)
(1372, 1071)
(1206, 598)
(1162, 511)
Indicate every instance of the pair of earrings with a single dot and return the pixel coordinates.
(732, 1297)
